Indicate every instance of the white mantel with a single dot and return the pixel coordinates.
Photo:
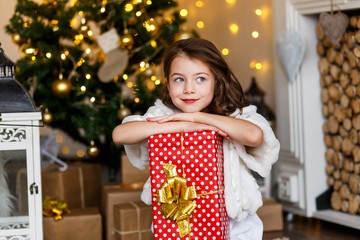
(300, 171)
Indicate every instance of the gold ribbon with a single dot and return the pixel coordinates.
(176, 198)
(54, 208)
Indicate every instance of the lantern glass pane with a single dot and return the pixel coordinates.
(14, 189)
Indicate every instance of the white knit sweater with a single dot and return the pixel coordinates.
(242, 195)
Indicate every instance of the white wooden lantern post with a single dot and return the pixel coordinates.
(20, 158)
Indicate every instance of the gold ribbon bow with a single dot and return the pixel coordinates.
(176, 198)
(54, 208)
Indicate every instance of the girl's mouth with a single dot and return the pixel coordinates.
(189, 100)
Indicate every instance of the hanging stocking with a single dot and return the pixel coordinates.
(116, 59)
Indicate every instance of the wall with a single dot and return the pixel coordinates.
(7, 10)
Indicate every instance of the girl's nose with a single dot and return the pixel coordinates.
(189, 87)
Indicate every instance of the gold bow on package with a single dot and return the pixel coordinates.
(54, 208)
(176, 199)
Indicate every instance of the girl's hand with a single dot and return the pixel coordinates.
(183, 117)
(187, 123)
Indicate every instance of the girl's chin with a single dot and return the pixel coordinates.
(190, 109)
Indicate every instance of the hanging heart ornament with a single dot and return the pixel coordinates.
(334, 25)
(291, 50)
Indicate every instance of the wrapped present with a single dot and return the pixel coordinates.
(187, 186)
(79, 185)
(80, 223)
(271, 214)
(113, 194)
(132, 221)
(130, 174)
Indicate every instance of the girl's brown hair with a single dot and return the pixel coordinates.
(228, 93)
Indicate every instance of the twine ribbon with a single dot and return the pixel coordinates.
(138, 231)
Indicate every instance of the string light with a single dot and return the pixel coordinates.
(80, 153)
(183, 12)
(225, 51)
(255, 34)
(230, 2)
(129, 7)
(200, 24)
(30, 50)
(258, 12)
(103, 5)
(234, 28)
(199, 4)
(150, 25)
(256, 65)
(65, 150)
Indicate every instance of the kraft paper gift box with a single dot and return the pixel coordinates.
(79, 224)
(113, 194)
(187, 186)
(79, 185)
(132, 221)
(130, 174)
(271, 214)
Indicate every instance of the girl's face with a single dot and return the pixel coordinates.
(191, 84)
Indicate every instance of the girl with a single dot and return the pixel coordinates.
(202, 93)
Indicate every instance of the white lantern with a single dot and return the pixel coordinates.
(20, 166)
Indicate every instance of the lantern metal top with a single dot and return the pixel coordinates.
(13, 96)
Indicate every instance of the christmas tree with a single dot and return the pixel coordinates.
(88, 64)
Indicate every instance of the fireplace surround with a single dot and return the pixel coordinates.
(300, 172)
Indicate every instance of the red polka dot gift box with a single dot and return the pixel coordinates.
(187, 186)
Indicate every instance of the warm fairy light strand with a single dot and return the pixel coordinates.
(233, 29)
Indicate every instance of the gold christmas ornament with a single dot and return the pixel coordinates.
(93, 150)
(16, 38)
(61, 86)
(126, 41)
(123, 112)
(47, 116)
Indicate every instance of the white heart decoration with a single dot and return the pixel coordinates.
(291, 50)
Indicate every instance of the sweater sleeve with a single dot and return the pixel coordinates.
(138, 153)
(259, 159)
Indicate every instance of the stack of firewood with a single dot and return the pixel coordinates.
(339, 68)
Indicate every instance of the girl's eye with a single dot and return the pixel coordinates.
(200, 79)
(178, 79)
